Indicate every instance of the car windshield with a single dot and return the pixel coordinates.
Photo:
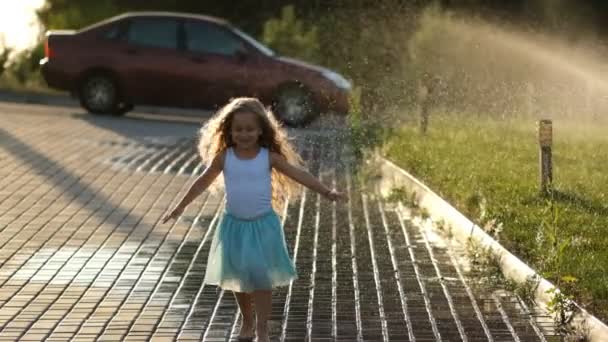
(265, 50)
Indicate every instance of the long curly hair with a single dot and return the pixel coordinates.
(215, 138)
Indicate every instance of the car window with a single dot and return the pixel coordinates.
(113, 32)
(207, 38)
(161, 33)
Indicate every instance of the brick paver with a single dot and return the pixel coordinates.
(84, 257)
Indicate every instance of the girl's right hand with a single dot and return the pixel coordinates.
(174, 214)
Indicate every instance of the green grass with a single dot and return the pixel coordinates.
(489, 171)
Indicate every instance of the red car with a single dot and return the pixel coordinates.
(184, 60)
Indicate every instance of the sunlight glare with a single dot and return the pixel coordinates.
(19, 26)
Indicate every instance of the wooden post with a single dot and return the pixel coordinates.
(545, 139)
(428, 91)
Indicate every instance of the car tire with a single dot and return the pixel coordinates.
(122, 109)
(294, 105)
(98, 94)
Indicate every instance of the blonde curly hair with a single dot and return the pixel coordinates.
(215, 138)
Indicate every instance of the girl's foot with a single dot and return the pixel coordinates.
(262, 332)
(247, 332)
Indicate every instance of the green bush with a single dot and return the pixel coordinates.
(4, 59)
(367, 132)
(370, 47)
(291, 36)
(73, 15)
(23, 70)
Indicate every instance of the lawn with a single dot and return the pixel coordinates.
(489, 170)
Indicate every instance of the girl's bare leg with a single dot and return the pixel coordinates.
(244, 300)
(263, 307)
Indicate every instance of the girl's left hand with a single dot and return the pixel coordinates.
(335, 195)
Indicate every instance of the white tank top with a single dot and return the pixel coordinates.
(247, 184)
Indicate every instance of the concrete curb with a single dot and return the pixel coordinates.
(65, 100)
(463, 229)
(31, 97)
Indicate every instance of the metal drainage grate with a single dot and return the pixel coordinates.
(178, 156)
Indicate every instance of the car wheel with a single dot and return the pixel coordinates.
(294, 105)
(122, 109)
(99, 94)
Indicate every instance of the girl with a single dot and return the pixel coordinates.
(248, 252)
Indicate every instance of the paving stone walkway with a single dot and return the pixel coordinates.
(84, 257)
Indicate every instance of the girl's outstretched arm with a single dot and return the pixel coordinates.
(303, 177)
(199, 185)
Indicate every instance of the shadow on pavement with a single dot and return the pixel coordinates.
(30, 156)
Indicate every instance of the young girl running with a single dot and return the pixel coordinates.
(248, 252)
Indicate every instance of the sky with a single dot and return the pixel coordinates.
(19, 26)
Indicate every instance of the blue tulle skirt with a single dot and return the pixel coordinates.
(249, 255)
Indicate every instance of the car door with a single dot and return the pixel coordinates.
(218, 61)
(150, 55)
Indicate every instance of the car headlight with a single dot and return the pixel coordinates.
(337, 79)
